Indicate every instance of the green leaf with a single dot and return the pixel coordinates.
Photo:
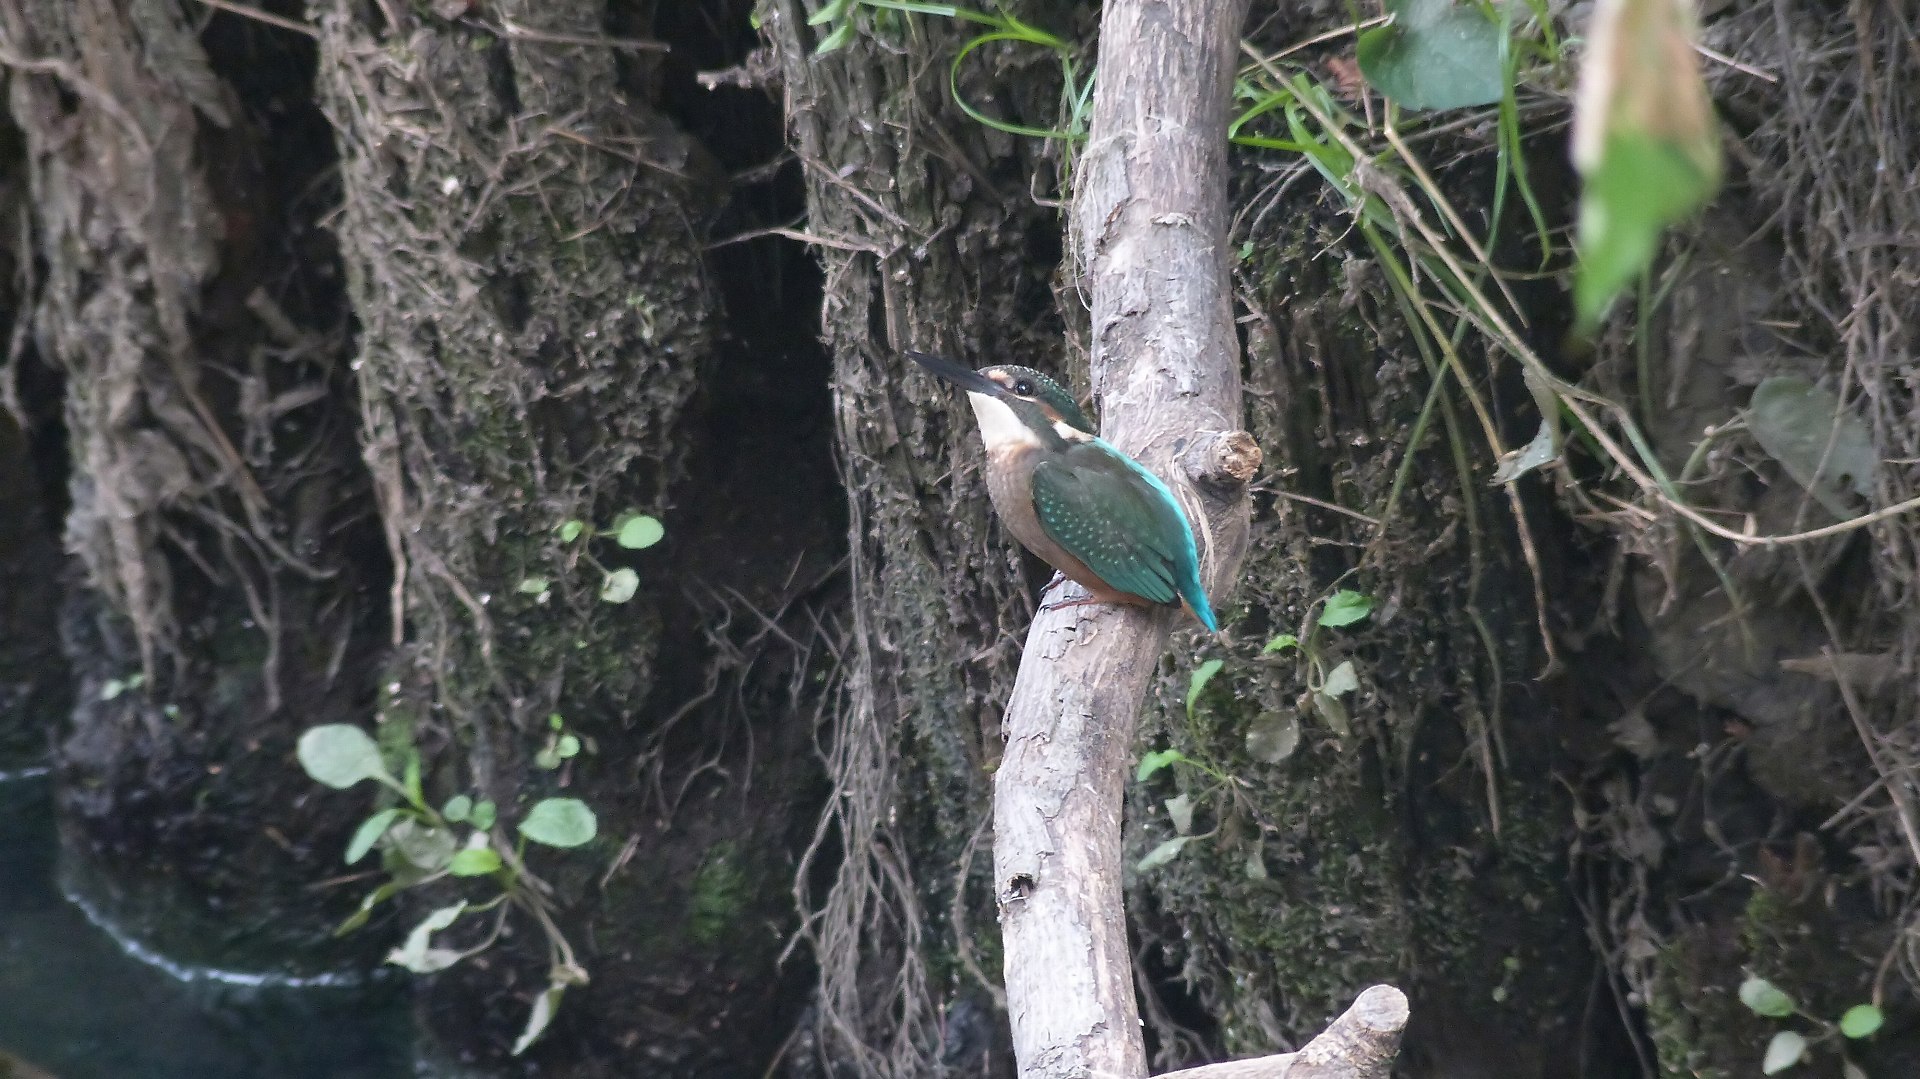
(1334, 713)
(620, 586)
(1198, 681)
(559, 822)
(1341, 680)
(374, 898)
(1763, 997)
(1162, 854)
(570, 530)
(1435, 55)
(369, 833)
(828, 12)
(113, 688)
(411, 780)
(841, 35)
(1180, 811)
(1344, 608)
(421, 845)
(1640, 187)
(1273, 737)
(568, 747)
(1644, 139)
(482, 815)
(547, 759)
(1784, 1051)
(1256, 868)
(416, 956)
(457, 808)
(637, 531)
(474, 862)
(1281, 644)
(340, 755)
(1826, 448)
(554, 721)
(533, 586)
(1861, 1021)
(1155, 761)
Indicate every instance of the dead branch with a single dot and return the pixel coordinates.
(1361, 1044)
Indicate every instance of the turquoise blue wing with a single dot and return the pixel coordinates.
(1112, 515)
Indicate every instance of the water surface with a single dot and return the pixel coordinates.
(76, 1002)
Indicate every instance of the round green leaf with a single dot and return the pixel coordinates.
(1344, 608)
(340, 755)
(474, 862)
(457, 808)
(1784, 1051)
(423, 846)
(1435, 55)
(482, 815)
(638, 532)
(559, 822)
(1763, 997)
(1861, 1021)
(620, 586)
(1273, 737)
(570, 530)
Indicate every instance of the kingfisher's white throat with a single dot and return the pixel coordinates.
(1000, 429)
(1003, 432)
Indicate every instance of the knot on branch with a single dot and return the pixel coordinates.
(1221, 462)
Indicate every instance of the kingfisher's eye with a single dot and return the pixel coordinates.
(1023, 388)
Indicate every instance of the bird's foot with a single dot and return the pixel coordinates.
(1083, 601)
(1053, 582)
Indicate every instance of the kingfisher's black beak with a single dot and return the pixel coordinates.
(952, 371)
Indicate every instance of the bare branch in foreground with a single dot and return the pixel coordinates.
(1361, 1044)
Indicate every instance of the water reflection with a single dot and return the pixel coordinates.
(73, 1000)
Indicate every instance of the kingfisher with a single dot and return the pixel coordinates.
(1072, 498)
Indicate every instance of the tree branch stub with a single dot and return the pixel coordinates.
(1361, 1044)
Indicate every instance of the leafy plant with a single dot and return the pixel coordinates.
(1076, 90)
(562, 745)
(421, 845)
(632, 530)
(1789, 1047)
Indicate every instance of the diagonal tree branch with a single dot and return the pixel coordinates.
(1149, 224)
